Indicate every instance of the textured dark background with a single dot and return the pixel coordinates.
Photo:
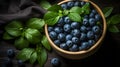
(107, 55)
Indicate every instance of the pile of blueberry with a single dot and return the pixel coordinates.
(76, 36)
(8, 62)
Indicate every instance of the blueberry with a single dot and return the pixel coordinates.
(10, 53)
(94, 11)
(58, 29)
(68, 37)
(75, 32)
(85, 22)
(90, 35)
(88, 28)
(96, 37)
(83, 29)
(8, 62)
(91, 42)
(75, 40)
(70, 4)
(61, 36)
(83, 36)
(67, 28)
(74, 48)
(92, 21)
(96, 29)
(20, 63)
(84, 45)
(61, 22)
(64, 6)
(55, 62)
(76, 3)
(97, 17)
(86, 16)
(63, 46)
(69, 43)
(53, 35)
(50, 29)
(82, 3)
(75, 25)
(91, 15)
(67, 19)
(57, 42)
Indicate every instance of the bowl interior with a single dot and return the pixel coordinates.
(83, 51)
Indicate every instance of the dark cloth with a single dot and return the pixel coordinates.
(19, 9)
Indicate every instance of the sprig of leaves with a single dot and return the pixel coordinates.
(25, 34)
(112, 21)
(55, 12)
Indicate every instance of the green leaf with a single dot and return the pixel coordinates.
(14, 28)
(51, 18)
(113, 29)
(76, 10)
(45, 4)
(45, 43)
(32, 35)
(25, 54)
(107, 11)
(33, 57)
(21, 43)
(35, 23)
(115, 19)
(55, 8)
(6, 36)
(75, 17)
(42, 57)
(86, 8)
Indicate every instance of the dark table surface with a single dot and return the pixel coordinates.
(107, 55)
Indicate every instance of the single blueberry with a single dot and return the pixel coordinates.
(91, 42)
(75, 40)
(55, 62)
(64, 6)
(74, 48)
(75, 32)
(97, 37)
(58, 29)
(53, 35)
(63, 46)
(67, 28)
(96, 29)
(88, 28)
(83, 28)
(70, 4)
(20, 63)
(94, 11)
(50, 29)
(92, 21)
(67, 20)
(57, 42)
(61, 37)
(8, 62)
(75, 25)
(85, 22)
(77, 3)
(82, 3)
(83, 36)
(91, 15)
(69, 43)
(68, 37)
(61, 22)
(86, 16)
(97, 17)
(10, 53)
(90, 35)
(84, 46)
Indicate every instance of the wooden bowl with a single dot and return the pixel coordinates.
(84, 53)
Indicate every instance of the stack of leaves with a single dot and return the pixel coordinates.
(29, 33)
(112, 20)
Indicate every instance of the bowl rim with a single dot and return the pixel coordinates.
(91, 48)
